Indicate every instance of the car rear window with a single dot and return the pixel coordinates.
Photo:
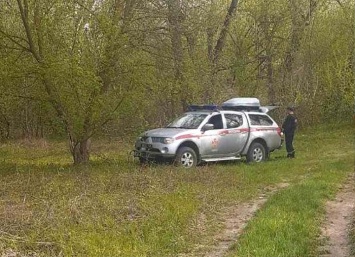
(260, 120)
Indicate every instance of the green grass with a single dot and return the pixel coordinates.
(114, 207)
(289, 223)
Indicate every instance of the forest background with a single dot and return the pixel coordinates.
(79, 69)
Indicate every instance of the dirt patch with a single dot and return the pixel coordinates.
(235, 219)
(335, 231)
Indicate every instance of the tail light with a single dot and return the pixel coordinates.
(279, 131)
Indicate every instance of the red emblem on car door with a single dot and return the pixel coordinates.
(215, 143)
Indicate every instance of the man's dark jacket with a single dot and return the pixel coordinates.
(290, 124)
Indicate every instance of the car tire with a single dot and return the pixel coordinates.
(143, 160)
(256, 153)
(186, 157)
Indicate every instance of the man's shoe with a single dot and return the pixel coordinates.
(291, 155)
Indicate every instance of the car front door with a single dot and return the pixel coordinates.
(211, 145)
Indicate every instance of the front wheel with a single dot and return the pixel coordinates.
(186, 157)
(256, 153)
(143, 161)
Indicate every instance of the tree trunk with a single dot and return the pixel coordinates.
(270, 79)
(215, 54)
(293, 67)
(175, 18)
(223, 33)
(5, 129)
(80, 150)
(298, 25)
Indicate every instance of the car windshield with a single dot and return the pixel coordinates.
(188, 121)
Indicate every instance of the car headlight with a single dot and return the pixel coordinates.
(168, 140)
(141, 137)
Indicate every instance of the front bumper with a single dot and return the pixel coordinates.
(152, 150)
(151, 155)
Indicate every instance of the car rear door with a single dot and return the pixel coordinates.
(263, 126)
(235, 134)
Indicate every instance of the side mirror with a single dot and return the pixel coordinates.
(208, 126)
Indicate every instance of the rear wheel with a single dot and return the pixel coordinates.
(186, 157)
(256, 153)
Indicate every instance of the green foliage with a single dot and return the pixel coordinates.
(105, 62)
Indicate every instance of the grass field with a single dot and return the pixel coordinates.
(114, 207)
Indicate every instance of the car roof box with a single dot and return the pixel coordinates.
(242, 104)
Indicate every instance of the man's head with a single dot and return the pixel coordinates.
(290, 109)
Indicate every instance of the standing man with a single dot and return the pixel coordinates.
(289, 127)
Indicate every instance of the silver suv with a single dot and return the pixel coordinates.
(240, 127)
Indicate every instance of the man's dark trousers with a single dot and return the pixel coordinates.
(289, 145)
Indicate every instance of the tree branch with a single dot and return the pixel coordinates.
(340, 3)
(27, 97)
(24, 16)
(108, 119)
(223, 33)
(12, 39)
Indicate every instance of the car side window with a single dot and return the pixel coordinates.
(265, 120)
(233, 120)
(216, 121)
(254, 119)
(260, 120)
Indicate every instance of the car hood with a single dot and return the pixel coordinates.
(168, 132)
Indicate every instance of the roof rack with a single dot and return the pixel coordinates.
(205, 107)
(245, 104)
(242, 103)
